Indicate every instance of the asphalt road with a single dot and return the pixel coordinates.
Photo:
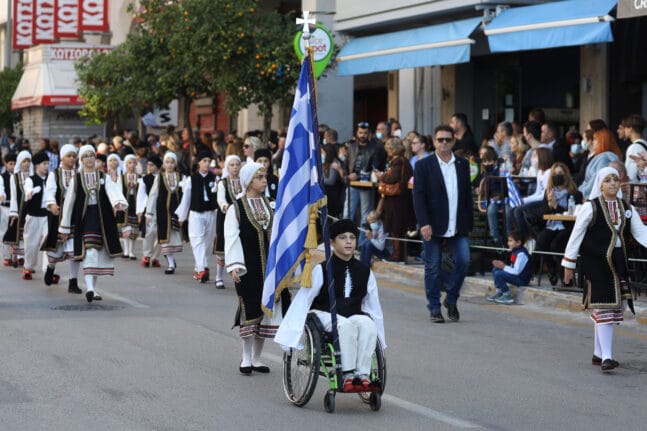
(158, 353)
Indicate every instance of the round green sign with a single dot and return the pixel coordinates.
(322, 47)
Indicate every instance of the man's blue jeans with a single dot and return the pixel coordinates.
(368, 250)
(460, 250)
(502, 278)
(493, 221)
(364, 199)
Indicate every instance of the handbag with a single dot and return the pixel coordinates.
(386, 189)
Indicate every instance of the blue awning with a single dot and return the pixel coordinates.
(428, 46)
(551, 25)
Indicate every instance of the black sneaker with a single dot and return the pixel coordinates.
(73, 287)
(437, 317)
(452, 311)
(89, 296)
(49, 276)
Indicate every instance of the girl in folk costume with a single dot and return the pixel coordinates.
(150, 245)
(7, 173)
(248, 225)
(114, 169)
(264, 157)
(17, 210)
(130, 186)
(88, 211)
(36, 218)
(58, 182)
(163, 200)
(199, 204)
(228, 190)
(602, 228)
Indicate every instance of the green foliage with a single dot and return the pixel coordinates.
(9, 79)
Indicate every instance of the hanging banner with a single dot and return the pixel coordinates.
(322, 46)
(631, 8)
(23, 24)
(66, 24)
(43, 22)
(93, 15)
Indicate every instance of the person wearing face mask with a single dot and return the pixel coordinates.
(554, 236)
(375, 244)
(586, 154)
(490, 197)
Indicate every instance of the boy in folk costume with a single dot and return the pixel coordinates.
(264, 157)
(228, 190)
(5, 202)
(359, 314)
(248, 225)
(163, 200)
(88, 211)
(58, 182)
(17, 210)
(150, 246)
(36, 219)
(199, 204)
(130, 186)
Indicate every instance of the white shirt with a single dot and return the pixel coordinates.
(542, 182)
(632, 167)
(448, 170)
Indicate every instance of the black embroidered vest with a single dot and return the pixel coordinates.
(359, 274)
(198, 185)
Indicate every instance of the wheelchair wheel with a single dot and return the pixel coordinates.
(301, 368)
(378, 371)
(329, 401)
(375, 400)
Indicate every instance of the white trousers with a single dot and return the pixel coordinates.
(4, 224)
(357, 340)
(151, 247)
(202, 230)
(35, 234)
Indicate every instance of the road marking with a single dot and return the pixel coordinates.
(409, 406)
(120, 298)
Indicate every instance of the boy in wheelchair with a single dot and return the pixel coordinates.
(359, 313)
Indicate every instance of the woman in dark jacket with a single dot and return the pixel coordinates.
(397, 210)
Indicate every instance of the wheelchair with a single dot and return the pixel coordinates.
(302, 368)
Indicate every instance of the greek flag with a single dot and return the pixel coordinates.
(514, 197)
(298, 190)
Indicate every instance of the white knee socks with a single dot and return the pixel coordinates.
(605, 337)
(89, 283)
(247, 352)
(257, 350)
(74, 268)
(171, 260)
(219, 271)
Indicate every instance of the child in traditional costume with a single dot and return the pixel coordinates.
(88, 211)
(150, 245)
(228, 190)
(359, 313)
(163, 200)
(36, 219)
(248, 225)
(130, 186)
(5, 202)
(17, 210)
(58, 182)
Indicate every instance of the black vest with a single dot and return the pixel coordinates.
(148, 181)
(359, 274)
(6, 176)
(53, 221)
(34, 205)
(198, 185)
(167, 202)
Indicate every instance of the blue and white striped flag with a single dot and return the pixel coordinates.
(514, 197)
(298, 190)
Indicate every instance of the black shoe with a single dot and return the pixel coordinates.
(596, 360)
(169, 270)
(452, 311)
(247, 371)
(261, 369)
(553, 279)
(221, 285)
(132, 257)
(97, 297)
(49, 276)
(89, 296)
(608, 365)
(73, 287)
(437, 317)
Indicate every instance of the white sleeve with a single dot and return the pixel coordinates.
(222, 195)
(538, 195)
(630, 164)
(151, 203)
(182, 210)
(115, 194)
(50, 190)
(294, 321)
(28, 188)
(142, 197)
(379, 238)
(638, 229)
(68, 206)
(371, 305)
(3, 194)
(13, 205)
(519, 264)
(234, 257)
(582, 221)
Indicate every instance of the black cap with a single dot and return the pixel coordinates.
(10, 157)
(343, 226)
(40, 157)
(204, 154)
(263, 152)
(156, 161)
(102, 157)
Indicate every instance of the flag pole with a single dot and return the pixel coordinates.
(324, 209)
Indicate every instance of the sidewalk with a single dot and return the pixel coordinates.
(482, 286)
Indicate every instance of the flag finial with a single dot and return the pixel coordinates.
(306, 21)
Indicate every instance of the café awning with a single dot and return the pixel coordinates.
(434, 45)
(551, 25)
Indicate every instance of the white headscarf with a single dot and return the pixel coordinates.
(128, 157)
(599, 179)
(247, 173)
(19, 159)
(119, 166)
(86, 149)
(225, 171)
(171, 155)
(65, 150)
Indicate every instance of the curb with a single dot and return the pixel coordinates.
(484, 286)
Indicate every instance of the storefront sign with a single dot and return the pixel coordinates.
(74, 53)
(67, 19)
(23, 23)
(93, 15)
(44, 18)
(322, 46)
(632, 8)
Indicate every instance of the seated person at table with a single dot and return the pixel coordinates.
(518, 272)
(359, 313)
(490, 194)
(554, 236)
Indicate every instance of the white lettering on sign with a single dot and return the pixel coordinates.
(23, 29)
(71, 54)
(93, 15)
(44, 21)
(320, 44)
(67, 18)
(640, 4)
